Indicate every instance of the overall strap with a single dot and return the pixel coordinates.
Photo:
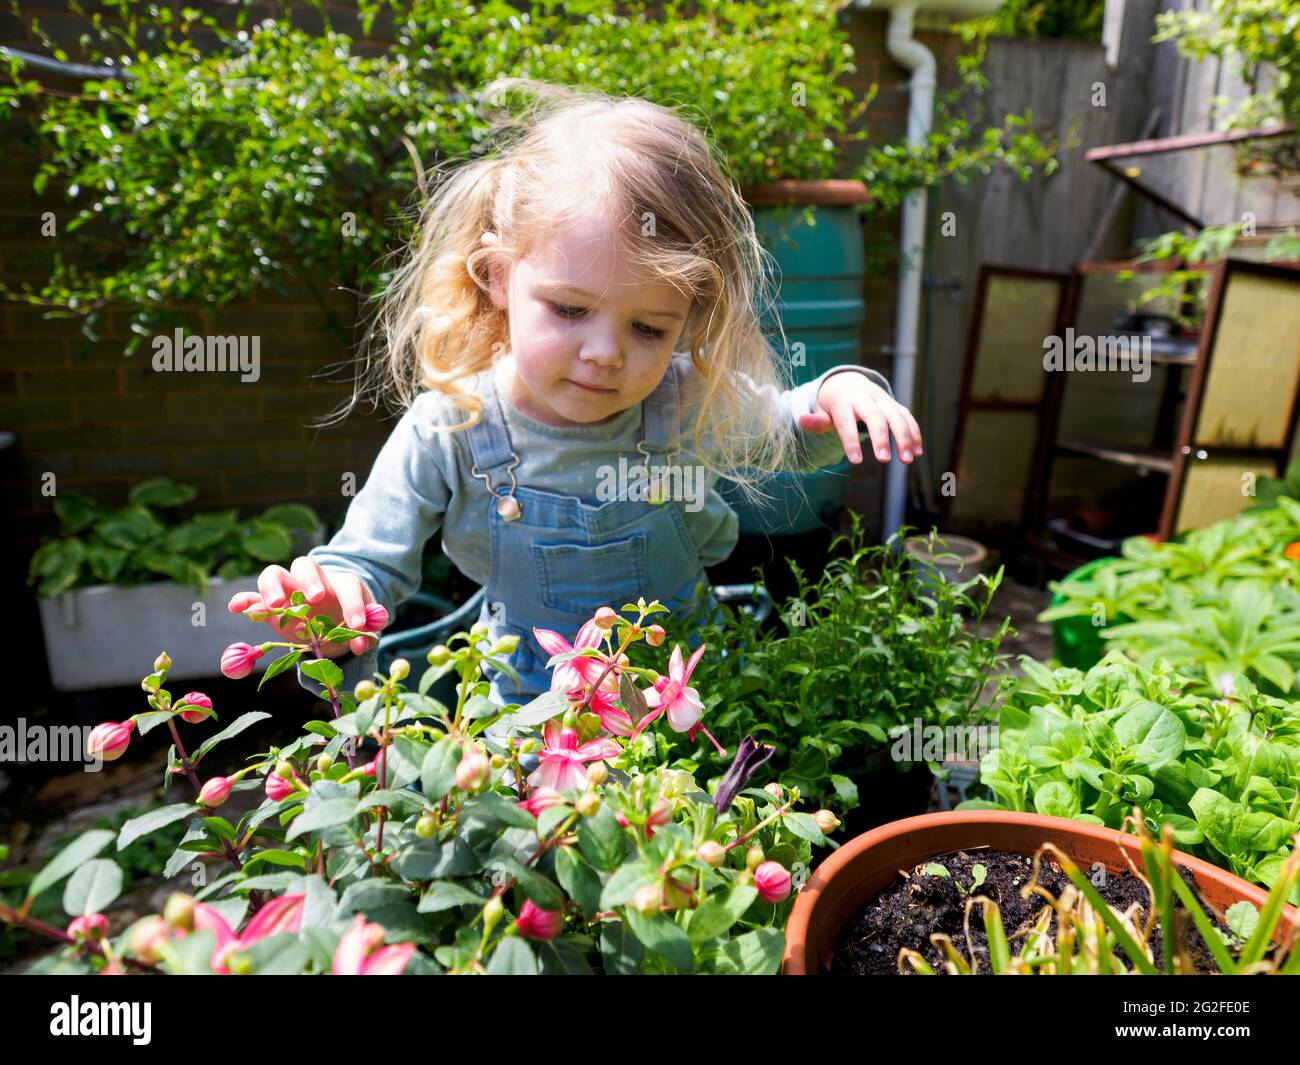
(659, 415)
(494, 459)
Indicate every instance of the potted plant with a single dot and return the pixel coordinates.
(1086, 855)
(100, 588)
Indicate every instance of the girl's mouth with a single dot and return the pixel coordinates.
(591, 388)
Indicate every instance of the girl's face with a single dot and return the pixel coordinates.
(579, 317)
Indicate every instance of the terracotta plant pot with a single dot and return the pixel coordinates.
(864, 866)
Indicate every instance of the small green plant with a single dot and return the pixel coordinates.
(1221, 772)
(978, 874)
(1090, 937)
(872, 645)
(135, 544)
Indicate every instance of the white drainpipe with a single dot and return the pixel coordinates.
(913, 56)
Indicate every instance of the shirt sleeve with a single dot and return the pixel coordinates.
(391, 518)
(813, 450)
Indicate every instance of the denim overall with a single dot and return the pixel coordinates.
(555, 559)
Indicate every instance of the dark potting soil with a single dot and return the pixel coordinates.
(910, 910)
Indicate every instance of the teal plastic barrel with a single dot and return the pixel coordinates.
(820, 305)
(1077, 641)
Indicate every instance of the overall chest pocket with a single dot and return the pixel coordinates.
(577, 578)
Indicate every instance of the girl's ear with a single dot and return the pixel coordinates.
(498, 276)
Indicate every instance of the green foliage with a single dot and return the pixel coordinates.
(134, 544)
(317, 149)
(1073, 19)
(1218, 601)
(635, 870)
(870, 645)
(1222, 773)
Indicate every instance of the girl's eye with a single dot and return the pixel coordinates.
(564, 310)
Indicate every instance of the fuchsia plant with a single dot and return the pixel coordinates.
(602, 858)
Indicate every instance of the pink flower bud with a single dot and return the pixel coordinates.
(277, 787)
(215, 791)
(109, 740)
(541, 799)
(238, 659)
(376, 617)
(147, 939)
(195, 699)
(773, 882)
(535, 923)
(92, 926)
(655, 635)
(250, 605)
(605, 618)
(473, 771)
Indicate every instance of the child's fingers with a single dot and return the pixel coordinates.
(241, 601)
(276, 585)
(311, 578)
(816, 422)
(352, 596)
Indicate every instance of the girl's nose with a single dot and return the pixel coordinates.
(600, 348)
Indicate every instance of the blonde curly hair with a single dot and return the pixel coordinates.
(559, 156)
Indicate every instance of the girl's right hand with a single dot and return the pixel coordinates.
(341, 595)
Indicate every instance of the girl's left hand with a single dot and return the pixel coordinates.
(846, 398)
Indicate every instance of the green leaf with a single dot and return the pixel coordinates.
(513, 957)
(539, 711)
(72, 857)
(805, 827)
(1056, 800)
(285, 661)
(447, 895)
(266, 541)
(327, 813)
(323, 671)
(92, 887)
(160, 492)
(237, 726)
(537, 887)
(665, 937)
(601, 839)
(293, 516)
(1153, 734)
(438, 771)
(756, 953)
(141, 826)
(625, 883)
(719, 912)
(578, 879)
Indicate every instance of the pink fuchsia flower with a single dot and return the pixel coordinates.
(277, 787)
(613, 718)
(671, 695)
(372, 766)
(541, 799)
(562, 759)
(283, 914)
(535, 923)
(215, 791)
(109, 740)
(195, 699)
(574, 673)
(361, 952)
(660, 815)
(773, 882)
(92, 926)
(473, 771)
(238, 659)
(376, 617)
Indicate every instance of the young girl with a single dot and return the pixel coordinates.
(586, 293)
